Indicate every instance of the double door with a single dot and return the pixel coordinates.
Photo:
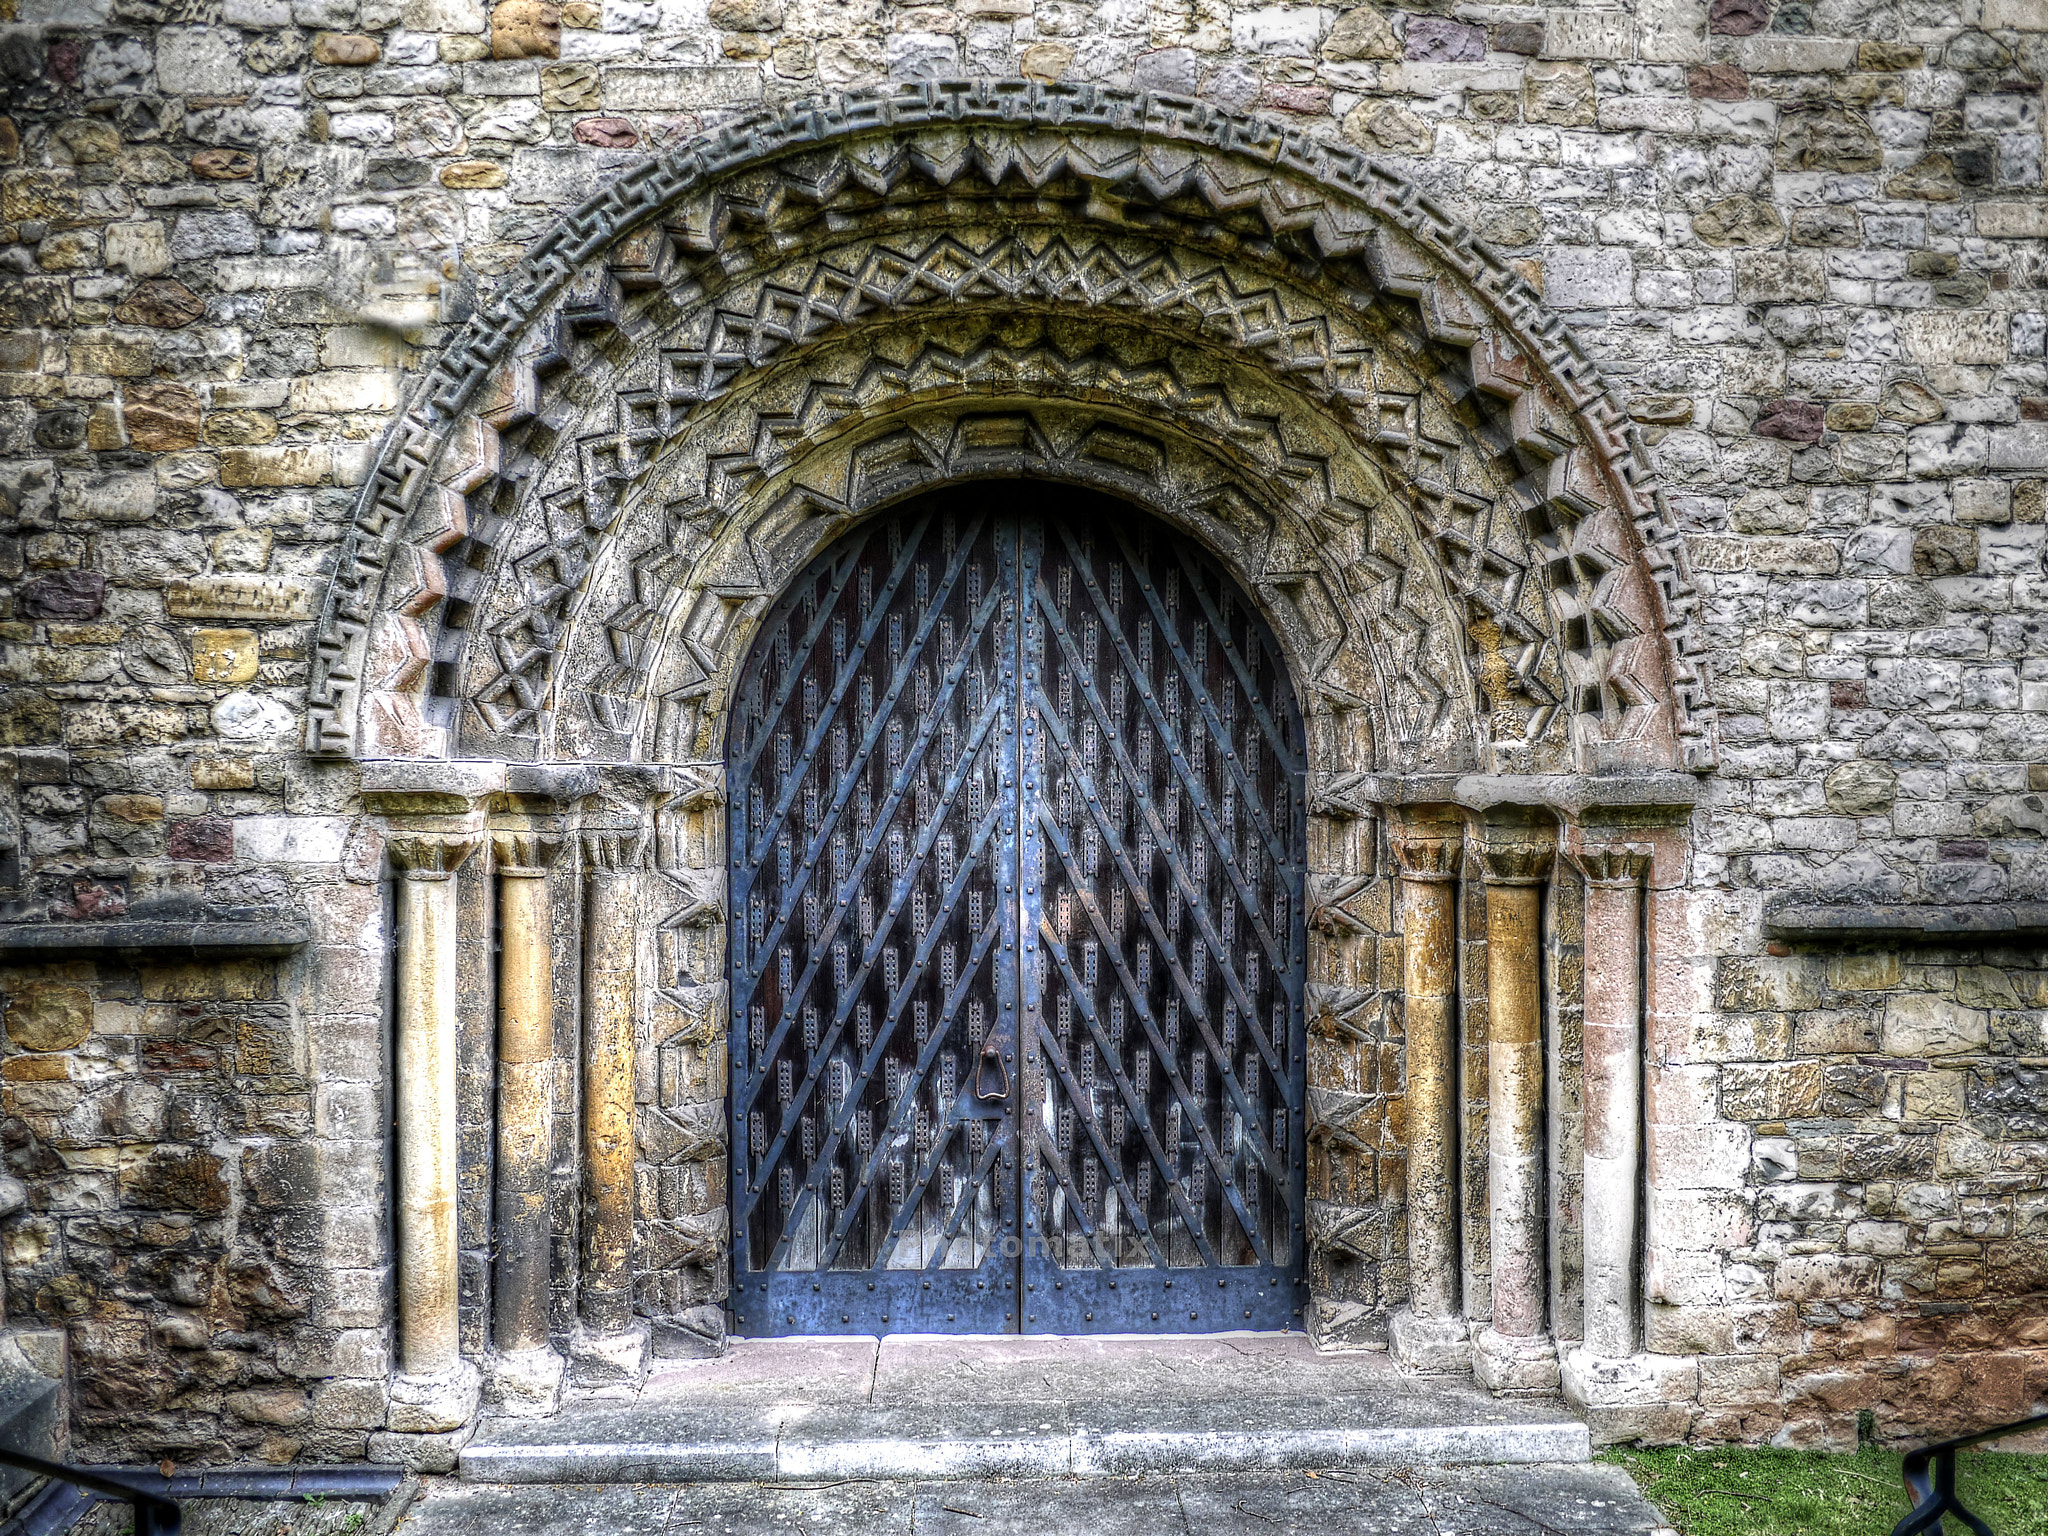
(1017, 838)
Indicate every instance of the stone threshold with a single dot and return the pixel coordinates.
(918, 1407)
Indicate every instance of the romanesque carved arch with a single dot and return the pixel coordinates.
(637, 425)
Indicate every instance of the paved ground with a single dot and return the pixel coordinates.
(1548, 1500)
(820, 1410)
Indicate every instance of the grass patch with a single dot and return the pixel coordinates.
(1748, 1491)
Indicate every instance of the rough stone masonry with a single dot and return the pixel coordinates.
(313, 1167)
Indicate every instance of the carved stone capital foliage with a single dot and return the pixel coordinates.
(1618, 865)
(429, 855)
(618, 850)
(1513, 850)
(524, 852)
(1428, 841)
(1283, 286)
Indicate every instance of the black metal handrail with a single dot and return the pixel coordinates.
(1935, 1495)
(155, 1515)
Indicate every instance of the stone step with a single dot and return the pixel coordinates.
(1577, 1498)
(814, 1410)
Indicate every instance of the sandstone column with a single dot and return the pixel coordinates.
(1613, 1092)
(1624, 1391)
(528, 1373)
(1515, 1352)
(436, 1391)
(1429, 1333)
(611, 1350)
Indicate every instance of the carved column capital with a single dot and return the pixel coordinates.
(619, 850)
(429, 855)
(1513, 851)
(1428, 840)
(1611, 865)
(525, 854)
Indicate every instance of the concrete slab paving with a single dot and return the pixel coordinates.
(810, 1410)
(1574, 1499)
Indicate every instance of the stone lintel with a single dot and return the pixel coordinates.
(202, 939)
(1909, 922)
(398, 786)
(1663, 797)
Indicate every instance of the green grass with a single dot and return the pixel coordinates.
(1742, 1491)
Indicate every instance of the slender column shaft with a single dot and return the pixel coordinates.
(428, 1343)
(1514, 1100)
(1613, 1096)
(526, 1048)
(609, 949)
(1515, 1352)
(1428, 855)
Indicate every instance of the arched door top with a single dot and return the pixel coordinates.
(1017, 810)
(690, 385)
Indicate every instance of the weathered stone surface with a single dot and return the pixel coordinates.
(165, 303)
(346, 48)
(1362, 33)
(69, 595)
(160, 418)
(224, 164)
(258, 251)
(48, 1017)
(224, 655)
(526, 29)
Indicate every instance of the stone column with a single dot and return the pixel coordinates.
(1429, 1334)
(611, 1349)
(1613, 1091)
(527, 1377)
(1515, 1352)
(1623, 1391)
(436, 1391)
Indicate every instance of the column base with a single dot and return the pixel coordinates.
(696, 1333)
(420, 1453)
(1632, 1397)
(527, 1383)
(609, 1364)
(1432, 1346)
(437, 1404)
(1502, 1364)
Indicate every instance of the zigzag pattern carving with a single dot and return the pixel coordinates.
(1277, 190)
(1302, 531)
(1303, 345)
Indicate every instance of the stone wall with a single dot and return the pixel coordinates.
(1804, 239)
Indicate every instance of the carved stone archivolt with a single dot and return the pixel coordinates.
(732, 355)
(718, 362)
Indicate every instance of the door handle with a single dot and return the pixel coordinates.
(991, 1057)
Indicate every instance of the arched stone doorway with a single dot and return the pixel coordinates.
(1017, 812)
(732, 356)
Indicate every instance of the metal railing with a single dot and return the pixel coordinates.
(155, 1515)
(1931, 1479)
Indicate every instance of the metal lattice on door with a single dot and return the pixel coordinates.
(1018, 847)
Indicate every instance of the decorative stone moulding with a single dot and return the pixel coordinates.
(719, 361)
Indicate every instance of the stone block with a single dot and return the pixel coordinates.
(47, 1016)
(679, 88)
(292, 839)
(1919, 1024)
(274, 467)
(1588, 34)
(346, 390)
(1588, 277)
